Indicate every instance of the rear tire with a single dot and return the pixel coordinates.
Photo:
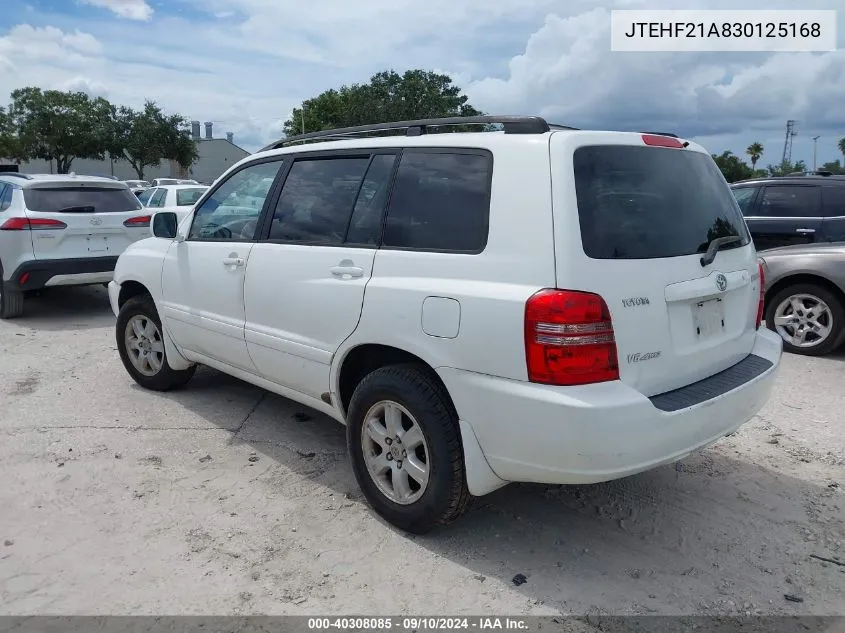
(141, 346)
(807, 296)
(11, 300)
(423, 416)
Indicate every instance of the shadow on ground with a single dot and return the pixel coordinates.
(60, 309)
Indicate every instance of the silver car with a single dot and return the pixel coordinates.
(805, 296)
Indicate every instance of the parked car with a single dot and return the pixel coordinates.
(172, 196)
(805, 296)
(162, 182)
(62, 230)
(137, 186)
(187, 181)
(795, 209)
(476, 308)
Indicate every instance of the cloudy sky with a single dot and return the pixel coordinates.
(244, 64)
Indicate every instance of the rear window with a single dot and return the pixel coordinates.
(188, 197)
(76, 199)
(649, 202)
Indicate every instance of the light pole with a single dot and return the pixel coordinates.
(815, 143)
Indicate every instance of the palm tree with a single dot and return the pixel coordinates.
(841, 146)
(755, 151)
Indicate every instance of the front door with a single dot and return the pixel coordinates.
(203, 276)
(305, 281)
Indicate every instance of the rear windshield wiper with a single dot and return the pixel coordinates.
(714, 246)
(78, 209)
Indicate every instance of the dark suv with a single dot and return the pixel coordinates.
(795, 209)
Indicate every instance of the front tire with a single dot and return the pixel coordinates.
(809, 318)
(141, 347)
(403, 439)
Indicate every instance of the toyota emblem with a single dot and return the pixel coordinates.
(96, 221)
(721, 282)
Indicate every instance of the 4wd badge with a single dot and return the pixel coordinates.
(721, 282)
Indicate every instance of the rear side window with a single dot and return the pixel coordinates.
(317, 199)
(650, 202)
(188, 197)
(440, 202)
(790, 201)
(80, 199)
(833, 199)
(5, 197)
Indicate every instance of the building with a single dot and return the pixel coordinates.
(215, 156)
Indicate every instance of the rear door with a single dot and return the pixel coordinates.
(787, 214)
(632, 222)
(91, 219)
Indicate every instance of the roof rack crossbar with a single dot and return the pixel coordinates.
(15, 174)
(511, 124)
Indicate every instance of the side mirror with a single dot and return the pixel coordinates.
(165, 224)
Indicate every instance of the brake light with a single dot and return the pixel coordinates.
(569, 339)
(656, 140)
(761, 300)
(141, 220)
(33, 224)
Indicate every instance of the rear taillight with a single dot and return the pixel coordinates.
(569, 339)
(762, 298)
(141, 220)
(31, 224)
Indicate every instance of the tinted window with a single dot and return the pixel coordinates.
(440, 201)
(5, 197)
(158, 198)
(833, 199)
(646, 202)
(317, 200)
(744, 198)
(365, 227)
(101, 199)
(188, 197)
(784, 201)
(145, 195)
(231, 212)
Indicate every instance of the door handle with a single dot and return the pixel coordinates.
(805, 230)
(233, 261)
(346, 271)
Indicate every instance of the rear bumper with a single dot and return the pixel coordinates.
(39, 273)
(579, 435)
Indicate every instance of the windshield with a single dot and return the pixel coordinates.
(188, 197)
(649, 202)
(103, 200)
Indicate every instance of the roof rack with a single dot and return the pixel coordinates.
(418, 127)
(15, 174)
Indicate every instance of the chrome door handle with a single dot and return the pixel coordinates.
(346, 271)
(233, 261)
(805, 230)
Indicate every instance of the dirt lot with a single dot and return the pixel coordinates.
(225, 499)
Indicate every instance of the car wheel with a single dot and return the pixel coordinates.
(403, 438)
(141, 347)
(11, 301)
(809, 318)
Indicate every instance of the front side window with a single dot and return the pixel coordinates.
(440, 202)
(784, 201)
(744, 198)
(317, 199)
(231, 212)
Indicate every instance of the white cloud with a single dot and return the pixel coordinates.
(246, 71)
(130, 9)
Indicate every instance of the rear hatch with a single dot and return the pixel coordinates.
(634, 215)
(83, 219)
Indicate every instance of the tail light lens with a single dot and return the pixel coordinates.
(656, 140)
(141, 220)
(569, 339)
(761, 300)
(31, 224)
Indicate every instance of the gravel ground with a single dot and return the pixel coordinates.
(225, 499)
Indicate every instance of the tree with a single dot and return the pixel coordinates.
(841, 146)
(60, 126)
(754, 151)
(146, 137)
(732, 167)
(8, 138)
(834, 167)
(389, 96)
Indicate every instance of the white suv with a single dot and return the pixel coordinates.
(537, 304)
(61, 230)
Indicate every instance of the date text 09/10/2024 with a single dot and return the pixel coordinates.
(417, 624)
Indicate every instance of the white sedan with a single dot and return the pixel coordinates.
(172, 196)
